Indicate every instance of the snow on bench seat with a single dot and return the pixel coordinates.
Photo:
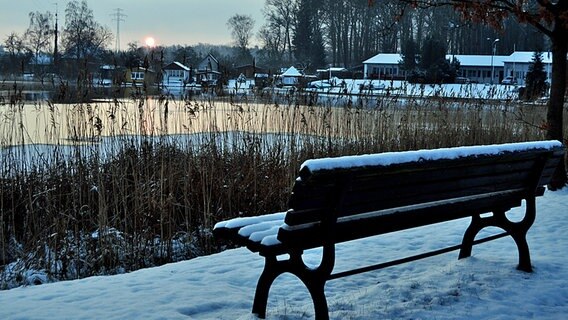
(260, 229)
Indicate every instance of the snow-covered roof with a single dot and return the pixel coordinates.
(465, 60)
(332, 69)
(292, 72)
(176, 66)
(478, 60)
(390, 158)
(384, 58)
(527, 57)
(184, 67)
(468, 60)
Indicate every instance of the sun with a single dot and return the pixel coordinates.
(150, 42)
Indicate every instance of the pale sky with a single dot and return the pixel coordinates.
(184, 22)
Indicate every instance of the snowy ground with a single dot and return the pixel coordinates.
(403, 88)
(221, 286)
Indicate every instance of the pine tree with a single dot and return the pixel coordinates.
(433, 64)
(308, 42)
(535, 80)
(409, 56)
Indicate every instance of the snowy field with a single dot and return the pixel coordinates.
(221, 286)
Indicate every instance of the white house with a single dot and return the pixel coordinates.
(175, 74)
(477, 68)
(290, 77)
(517, 65)
(383, 66)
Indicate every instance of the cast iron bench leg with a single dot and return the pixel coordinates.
(517, 230)
(269, 274)
(314, 279)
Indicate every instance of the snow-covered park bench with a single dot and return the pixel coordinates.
(346, 198)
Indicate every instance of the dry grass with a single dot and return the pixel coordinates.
(139, 182)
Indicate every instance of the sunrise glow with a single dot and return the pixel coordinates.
(150, 42)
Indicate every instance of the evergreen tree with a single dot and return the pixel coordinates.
(433, 60)
(303, 34)
(409, 56)
(317, 49)
(308, 42)
(535, 80)
(433, 67)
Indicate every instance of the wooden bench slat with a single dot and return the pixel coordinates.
(390, 220)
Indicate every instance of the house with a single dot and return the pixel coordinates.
(141, 76)
(290, 77)
(208, 70)
(176, 74)
(517, 65)
(478, 68)
(249, 70)
(383, 66)
(109, 75)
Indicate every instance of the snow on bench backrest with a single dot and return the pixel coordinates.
(392, 158)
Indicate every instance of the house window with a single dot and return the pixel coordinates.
(176, 73)
(137, 75)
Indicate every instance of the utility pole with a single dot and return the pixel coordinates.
(55, 49)
(492, 55)
(118, 16)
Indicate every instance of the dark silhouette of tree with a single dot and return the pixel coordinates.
(241, 30)
(431, 65)
(83, 37)
(39, 33)
(308, 40)
(276, 34)
(409, 56)
(535, 80)
(433, 60)
(17, 53)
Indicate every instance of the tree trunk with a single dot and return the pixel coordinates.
(554, 115)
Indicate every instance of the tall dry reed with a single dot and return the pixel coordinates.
(130, 183)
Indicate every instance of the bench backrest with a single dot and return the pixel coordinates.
(341, 187)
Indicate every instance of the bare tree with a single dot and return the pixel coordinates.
(271, 38)
(39, 33)
(241, 29)
(16, 49)
(280, 18)
(83, 37)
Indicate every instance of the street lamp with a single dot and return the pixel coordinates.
(492, 55)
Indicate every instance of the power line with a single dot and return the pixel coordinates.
(118, 16)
